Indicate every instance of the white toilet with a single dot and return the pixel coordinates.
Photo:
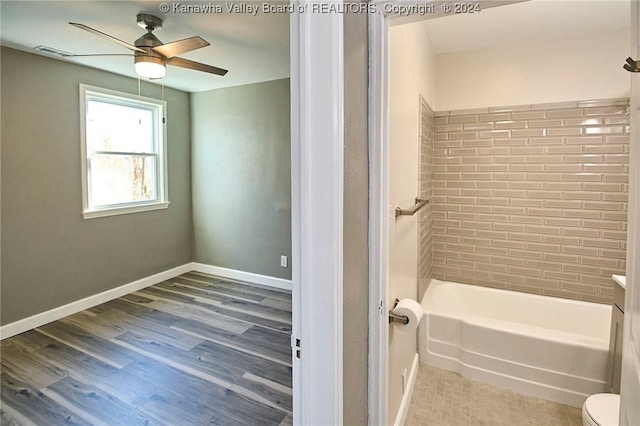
(601, 409)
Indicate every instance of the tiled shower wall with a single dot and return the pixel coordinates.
(532, 198)
(425, 185)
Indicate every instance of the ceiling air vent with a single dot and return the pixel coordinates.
(52, 51)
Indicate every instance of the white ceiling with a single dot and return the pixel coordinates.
(526, 22)
(256, 48)
(252, 48)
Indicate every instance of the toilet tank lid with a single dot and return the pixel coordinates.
(604, 408)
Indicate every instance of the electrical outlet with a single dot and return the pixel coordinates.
(284, 261)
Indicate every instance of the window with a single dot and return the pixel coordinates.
(123, 153)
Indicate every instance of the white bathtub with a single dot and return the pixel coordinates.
(548, 347)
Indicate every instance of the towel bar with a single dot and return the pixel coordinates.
(420, 203)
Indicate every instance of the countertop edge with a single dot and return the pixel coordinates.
(621, 280)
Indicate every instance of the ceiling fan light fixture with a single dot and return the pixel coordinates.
(150, 67)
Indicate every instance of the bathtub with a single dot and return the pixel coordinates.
(548, 347)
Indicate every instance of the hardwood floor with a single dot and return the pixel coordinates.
(194, 350)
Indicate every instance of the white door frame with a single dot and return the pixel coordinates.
(378, 218)
(317, 130)
(379, 209)
(630, 385)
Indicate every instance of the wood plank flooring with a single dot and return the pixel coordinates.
(193, 350)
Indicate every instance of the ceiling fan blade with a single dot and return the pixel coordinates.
(175, 48)
(186, 63)
(108, 37)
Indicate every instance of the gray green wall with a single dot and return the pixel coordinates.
(51, 256)
(241, 177)
(356, 216)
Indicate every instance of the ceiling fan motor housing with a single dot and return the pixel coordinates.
(148, 41)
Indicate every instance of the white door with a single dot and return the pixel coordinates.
(630, 387)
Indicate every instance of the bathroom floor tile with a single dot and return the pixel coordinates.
(444, 398)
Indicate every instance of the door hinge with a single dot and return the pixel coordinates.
(295, 344)
(380, 307)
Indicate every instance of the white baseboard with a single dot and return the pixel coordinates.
(242, 276)
(401, 417)
(54, 314)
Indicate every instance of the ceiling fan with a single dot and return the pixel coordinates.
(151, 56)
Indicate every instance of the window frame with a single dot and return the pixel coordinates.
(159, 109)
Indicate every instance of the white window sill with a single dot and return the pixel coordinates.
(114, 211)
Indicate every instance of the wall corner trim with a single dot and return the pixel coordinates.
(242, 276)
(54, 314)
(401, 417)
